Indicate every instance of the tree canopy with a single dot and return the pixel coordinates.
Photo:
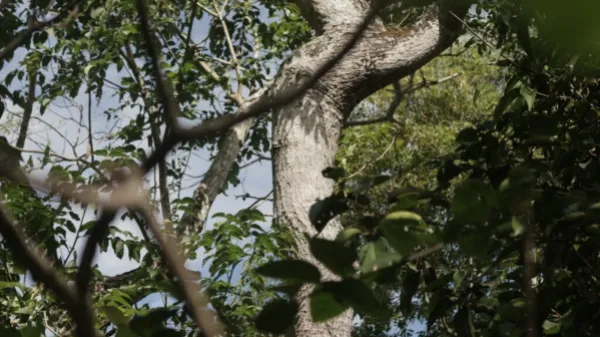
(307, 168)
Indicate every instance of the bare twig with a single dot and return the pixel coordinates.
(383, 154)
(231, 49)
(389, 115)
(398, 96)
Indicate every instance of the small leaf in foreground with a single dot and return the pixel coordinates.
(334, 255)
(376, 256)
(324, 306)
(295, 270)
(277, 316)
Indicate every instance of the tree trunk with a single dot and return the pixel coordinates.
(305, 141)
(306, 131)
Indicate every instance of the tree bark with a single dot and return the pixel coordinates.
(306, 137)
(306, 131)
(214, 179)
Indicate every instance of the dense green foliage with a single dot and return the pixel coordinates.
(475, 211)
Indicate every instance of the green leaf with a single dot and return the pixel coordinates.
(504, 102)
(407, 201)
(114, 315)
(32, 329)
(323, 211)
(359, 296)
(9, 332)
(97, 12)
(293, 270)
(517, 226)
(410, 285)
(125, 331)
(458, 277)
(347, 234)
(375, 256)
(277, 316)
(551, 328)
(475, 245)
(473, 201)
(438, 307)
(463, 323)
(334, 255)
(395, 228)
(5, 284)
(118, 247)
(529, 95)
(334, 173)
(324, 306)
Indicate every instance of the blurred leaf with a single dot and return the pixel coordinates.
(410, 285)
(395, 228)
(115, 315)
(324, 210)
(458, 277)
(334, 255)
(323, 306)
(529, 95)
(463, 323)
(375, 256)
(551, 328)
(32, 329)
(347, 234)
(473, 201)
(357, 294)
(277, 316)
(293, 270)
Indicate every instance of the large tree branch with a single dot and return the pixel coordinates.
(399, 52)
(216, 176)
(321, 14)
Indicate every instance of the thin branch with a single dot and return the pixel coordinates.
(264, 102)
(42, 270)
(98, 231)
(231, 49)
(389, 115)
(197, 300)
(383, 154)
(481, 38)
(260, 201)
(89, 129)
(398, 96)
(28, 109)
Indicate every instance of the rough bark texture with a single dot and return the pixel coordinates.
(306, 140)
(216, 176)
(306, 132)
